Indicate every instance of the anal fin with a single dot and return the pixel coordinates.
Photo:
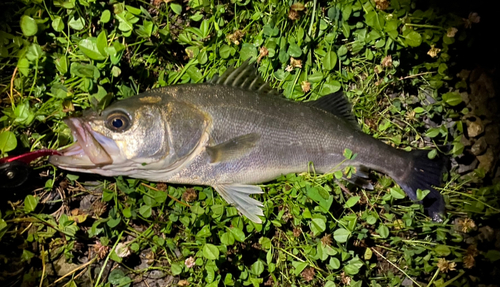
(238, 195)
(360, 177)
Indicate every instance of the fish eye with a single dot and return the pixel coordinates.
(118, 122)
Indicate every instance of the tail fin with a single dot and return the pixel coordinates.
(424, 173)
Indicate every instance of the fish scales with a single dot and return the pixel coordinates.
(291, 136)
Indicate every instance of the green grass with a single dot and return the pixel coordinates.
(61, 57)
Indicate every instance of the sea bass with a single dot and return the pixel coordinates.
(235, 132)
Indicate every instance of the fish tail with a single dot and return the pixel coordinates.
(424, 174)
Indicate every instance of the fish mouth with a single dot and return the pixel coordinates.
(90, 149)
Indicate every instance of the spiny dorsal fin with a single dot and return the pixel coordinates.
(232, 149)
(338, 105)
(246, 76)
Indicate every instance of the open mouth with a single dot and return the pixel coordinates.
(88, 148)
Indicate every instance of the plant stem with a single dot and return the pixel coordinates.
(107, 259)
(313, 18)
(395, 266)
(423, 26)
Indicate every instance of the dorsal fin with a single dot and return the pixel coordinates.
(245, 77)
(338, 105)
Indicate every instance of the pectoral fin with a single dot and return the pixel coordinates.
(238, 195)
(233, 149)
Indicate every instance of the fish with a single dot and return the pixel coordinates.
(233, 133)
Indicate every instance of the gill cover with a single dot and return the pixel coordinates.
(186, 128)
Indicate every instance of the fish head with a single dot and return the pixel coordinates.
(125, 137)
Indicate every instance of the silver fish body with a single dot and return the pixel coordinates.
(233, 133)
